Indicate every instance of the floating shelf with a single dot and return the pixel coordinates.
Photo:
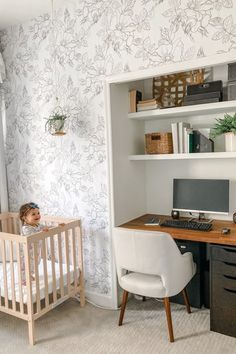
(206, 155)
(185, 111)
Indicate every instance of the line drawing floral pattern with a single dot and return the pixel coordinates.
(90, 40)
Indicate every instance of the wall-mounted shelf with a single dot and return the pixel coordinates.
(185, 111)
(210, 155)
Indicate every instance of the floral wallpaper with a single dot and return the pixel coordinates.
(69, 57)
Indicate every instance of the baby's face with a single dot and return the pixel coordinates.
(33, 217)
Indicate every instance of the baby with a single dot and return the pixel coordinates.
(30, 218)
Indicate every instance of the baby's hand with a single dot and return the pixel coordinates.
(45, 229)
(61, 224)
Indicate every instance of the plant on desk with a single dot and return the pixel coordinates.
(226, 126)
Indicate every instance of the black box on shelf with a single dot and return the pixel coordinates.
(203, 96)
(232, 71)
(201, 143)
(205, 87)
(194, 102)
(231, 90)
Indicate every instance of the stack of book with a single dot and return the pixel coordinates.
(189, 140)
(147, 105)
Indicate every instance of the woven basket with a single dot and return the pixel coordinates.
(169, 90)
(158, 143)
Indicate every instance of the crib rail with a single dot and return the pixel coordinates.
(51, 272)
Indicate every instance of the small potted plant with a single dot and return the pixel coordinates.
(55, 124)
(226, 126)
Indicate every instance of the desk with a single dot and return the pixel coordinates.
(222, 266)
(214, 236)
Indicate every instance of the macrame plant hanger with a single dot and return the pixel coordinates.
(55, 124)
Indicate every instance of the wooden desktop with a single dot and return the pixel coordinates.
(222, 272)
(214, 236)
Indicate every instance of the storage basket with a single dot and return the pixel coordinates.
(158, 143)
(169, 90)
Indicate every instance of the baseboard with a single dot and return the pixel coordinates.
(101, 300)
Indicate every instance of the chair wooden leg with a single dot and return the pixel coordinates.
(123, 305)
(186, 300)
(168, 317)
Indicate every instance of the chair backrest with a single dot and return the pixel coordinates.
(147, 252)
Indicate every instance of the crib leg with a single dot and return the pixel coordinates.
(31, 332)
(82, 298)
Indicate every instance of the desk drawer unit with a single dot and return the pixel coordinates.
(195, 288)
(223, 289)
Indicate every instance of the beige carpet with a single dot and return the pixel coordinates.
(71, 329)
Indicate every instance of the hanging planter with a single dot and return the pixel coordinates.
(55, 124)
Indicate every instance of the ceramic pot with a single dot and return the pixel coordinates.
(230, 142)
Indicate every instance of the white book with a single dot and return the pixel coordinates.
(175, 138)
(182, 125)
(146, 108)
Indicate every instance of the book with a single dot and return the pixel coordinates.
(153, 221)
(134, 97)
(152, 100)
(146, 108)
(175, 137)
(181, 126)
(146, 104)
(187, 133)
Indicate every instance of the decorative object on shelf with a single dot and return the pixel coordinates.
(158, 143)
(175, 214)
(55, 124)
(169, 90)
(226, 126)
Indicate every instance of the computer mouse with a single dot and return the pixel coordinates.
(225, 230)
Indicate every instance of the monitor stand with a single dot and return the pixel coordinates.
(201, 218)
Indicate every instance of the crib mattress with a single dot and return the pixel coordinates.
(41, 280)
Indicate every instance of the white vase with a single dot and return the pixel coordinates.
(230, 142)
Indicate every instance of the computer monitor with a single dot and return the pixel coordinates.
(201, 195)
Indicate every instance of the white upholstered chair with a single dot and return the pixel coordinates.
(150, 264)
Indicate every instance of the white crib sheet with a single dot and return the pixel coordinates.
(41, 280)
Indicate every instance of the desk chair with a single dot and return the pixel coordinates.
(150, 264)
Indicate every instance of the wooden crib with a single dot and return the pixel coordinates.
(57, 276)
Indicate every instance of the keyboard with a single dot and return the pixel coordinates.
(185, 224)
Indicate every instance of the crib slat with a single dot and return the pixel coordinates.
(74, 259)
(45, 273)
(15, 229)
(19, 277)
(54, 286)
(12, 278)
(67, 260)
(4, 273)
(9, 225)
(80, 257)
(60, 264)
(36, 271)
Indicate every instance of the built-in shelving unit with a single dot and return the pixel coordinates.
(210, 155)
(137, 188)
(185, 111)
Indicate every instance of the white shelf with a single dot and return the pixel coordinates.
(185, 111)
(206, 155)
